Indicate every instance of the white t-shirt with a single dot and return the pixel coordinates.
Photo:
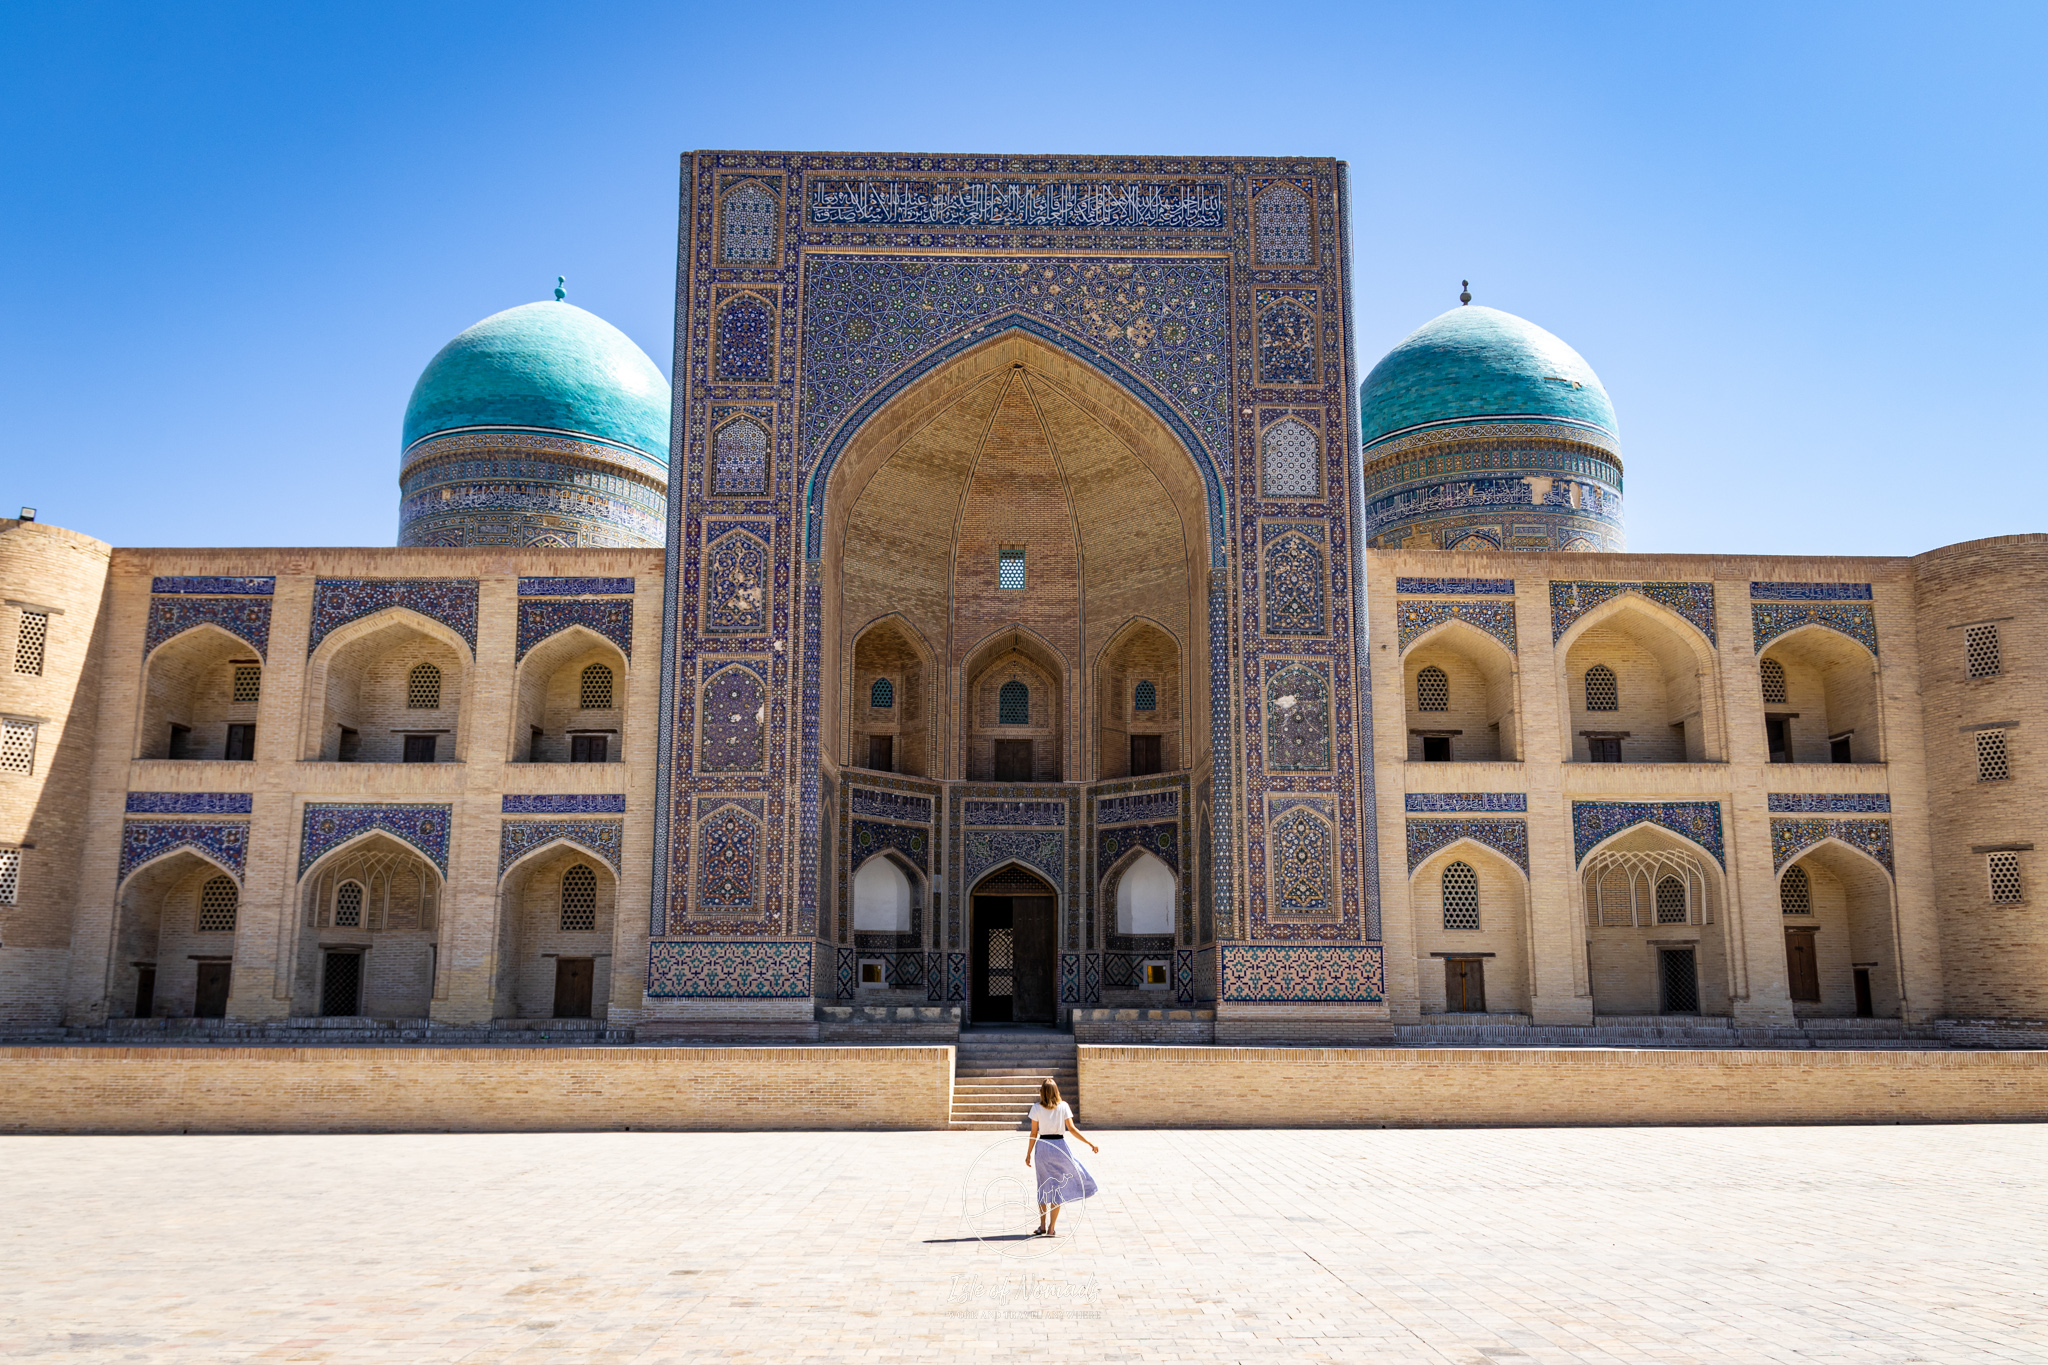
(1052, 1122)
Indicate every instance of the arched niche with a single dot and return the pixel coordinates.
(1474, 949)
(888, 700)
(1851, 930)
(570, 687)
(883, 894)
(199, 697)
(1013, 735)
(1147, 896)
(1479, 719)
(1830, 712)
(1634, 920)
(1666, 685)
(1138, 711)
(379, 900)
(557, 911)
(163, 936)
(362, 686)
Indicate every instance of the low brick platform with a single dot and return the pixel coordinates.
(475, 1090)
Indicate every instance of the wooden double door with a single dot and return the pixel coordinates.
(1012, 960)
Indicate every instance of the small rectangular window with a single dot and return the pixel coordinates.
(588, 748)
(1980, 646)
(17, 746)
(181, 741)
(1144, 755)
(1604, 748)
(1010, 567)
(1155, 975)
(350, 746)
(2005, 879)
(1778, 734)
(241, 743)
(533, 742)
(1992, 765)
(882, 753)
(1841, 748)
(1436, 748)
(10, 875)
(29, 642)
(420, 748)
(248, 682)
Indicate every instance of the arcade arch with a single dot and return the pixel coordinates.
(1656, 933)
(1640, 687)
(387, 689)
(1472, 935)
(174, 952)
(1460, 685)
(569, 701)
(368, 944)
(1820, 699)
(199, 697)
(556, 912)
(1841, 939)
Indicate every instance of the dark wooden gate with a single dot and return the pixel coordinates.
(1802, 968)
(572, 987)
(211, 1002)
(1465, 985)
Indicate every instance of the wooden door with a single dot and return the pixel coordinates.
(1801, 970)
(211, 1002)
(993, 963)
(145, 992)
(1037, 964)
(882, 753)
(1465, 985)
(1013, 760)
(1144, 755)
(572, 987)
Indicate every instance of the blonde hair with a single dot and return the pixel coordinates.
(1049, 1094)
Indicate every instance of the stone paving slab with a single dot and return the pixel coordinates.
(1482, 1247)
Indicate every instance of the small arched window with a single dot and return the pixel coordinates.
(579, 900)
(348, 905)
(218, 901)
(423, 688)
(1671, 906)
(1774, 681)
(1432, 690)
(595, 690)
(882, 696)
(1145, 697)
(1601, 692)
(1013, 704)
(1461, 897)
(1795, 893)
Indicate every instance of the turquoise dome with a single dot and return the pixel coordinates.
(1476, 362)
(550, 365)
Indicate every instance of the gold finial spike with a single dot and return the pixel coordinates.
(1465, 291)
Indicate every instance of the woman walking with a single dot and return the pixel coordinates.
(1062, 1179)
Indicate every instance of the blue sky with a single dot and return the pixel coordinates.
(1801, 244)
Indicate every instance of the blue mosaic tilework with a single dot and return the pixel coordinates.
(329, 826)
(729, 970)
(1070, 979)
(744, 337)
(1295, 578)
(144, 841)
(575, 587)
(1184, 976)
(338, 601)
(870, 837)
(1302, 843)
(1413, 620)
(1285, 340)
(1595, 821)
(1283, 222)
(729, 840)
(1163, 840)
(1427, 837)
(1790, 838)
(245, 618)
(1123, 205)
(612, 619)
(1769, 620)
(734, 720)
(604, 838)
(565, 805)
(736, 578)
(1118, 810)
(209, 585)
(1298, 718)
(739, 458)
(749, 223)
(1456, 587)
(1455, 803)
(1302, 974)
(881, 805)
(1830, 803)
(190, 803)
(1810, 592)
(1026, 813)
(1692, 601)
(983, 849)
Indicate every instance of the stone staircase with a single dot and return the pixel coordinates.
(996, 1074)
(1670, 1031)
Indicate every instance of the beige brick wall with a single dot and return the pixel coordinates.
(400, 1090)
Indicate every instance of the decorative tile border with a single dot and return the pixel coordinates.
(245, 618)
(1810, 592)
(190, 803)
(1123, 810)
(338, 601)
(1301, 974)
(1030, 814)
(575, 587)
(610, 617)
(1452, 803)
(328, 826)
(1162, 840)
(144, 841)
(1416, 619)
(565, 805)
(1692, 601)
(1455, 587)
(730, 969)
(213, 585)
(1044, 851)
(1790, 838)
(1829, 803)
(1593, 822)
(882, 805)
(603, 838)
(1769, 620)
(869, 837)
(1426, 838)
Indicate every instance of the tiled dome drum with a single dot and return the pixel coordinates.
(540, 425)
(1483, 431)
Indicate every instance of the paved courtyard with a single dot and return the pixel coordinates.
(1483, 1247)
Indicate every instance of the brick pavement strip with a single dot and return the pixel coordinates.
(1483, 1247)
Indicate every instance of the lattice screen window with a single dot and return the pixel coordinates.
(1992, 765)
(1432, 690)
(1461, 897)
(1013, 704)
(218, 901)
(10, 875)
(740, 459)
(594, 689)
(1981, 646)
(248, 682)
(1292, 459)
(1010, 566)
(29, 641)
(1795, 893)
(1774, 682)
(1145, 697)
(423, 688)
(882, 696)
(1601, 692)
(17, 746)
(2005, 878)
(579, 900)
(1671, 901)
(348, 905)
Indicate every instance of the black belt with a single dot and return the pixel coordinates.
(1052, 1137)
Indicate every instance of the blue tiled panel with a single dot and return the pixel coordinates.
(1830, 803)
(885, 805)
(1288, 974)
(1162, 840)
(1595, 821)
(338, 601)
(1810, 592)
(1022, 813)
(208, 585)
(575, 587)
(143, 841)
(729, 970)
(1769, 620)
(246, 618)
(613, 619)
(1450, 803)
(1692, 601)
(1413, 620)
(1456, 587)
(1427, 837)
(565, 805)
(190, 803)
(328, 826)
(604, 838)
(1790, 838)
(1119, 810)
(869, 837)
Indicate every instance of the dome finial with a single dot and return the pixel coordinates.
(1464, 294)
(561, 294)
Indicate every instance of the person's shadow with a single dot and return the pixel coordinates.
(1002, 1237)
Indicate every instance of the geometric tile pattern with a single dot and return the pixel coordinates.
(729, 970)
(746, 338)
(870, 837)
(1286, 337)
(1769, 620)
(1349, 974)
(1295, 578)
(1810, 592)
(1455, 587)
(1023, 813)
(210, 585)
(190, 803)
(1452, 803)
(1283, 227)
(1426, 837)
(1044, 850)
(245, 618)
(338, 601)
(1161, 840)
(1595, 821)
(1414, 619)
(1298, 718)
(1830, 803)
(611, 619)
(1692, 601)
(890, 805)
(734, 721)
(145, 840)
(565, 805)
(575, 587)
(1156, 805)
(1303, 872)
(605, 838)
(1790, 838)
(330, 825)
(728, 856)
(736, 585)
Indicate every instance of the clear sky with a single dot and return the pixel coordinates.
(1801, 244)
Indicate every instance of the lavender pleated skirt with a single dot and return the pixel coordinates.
(1062, 1179)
